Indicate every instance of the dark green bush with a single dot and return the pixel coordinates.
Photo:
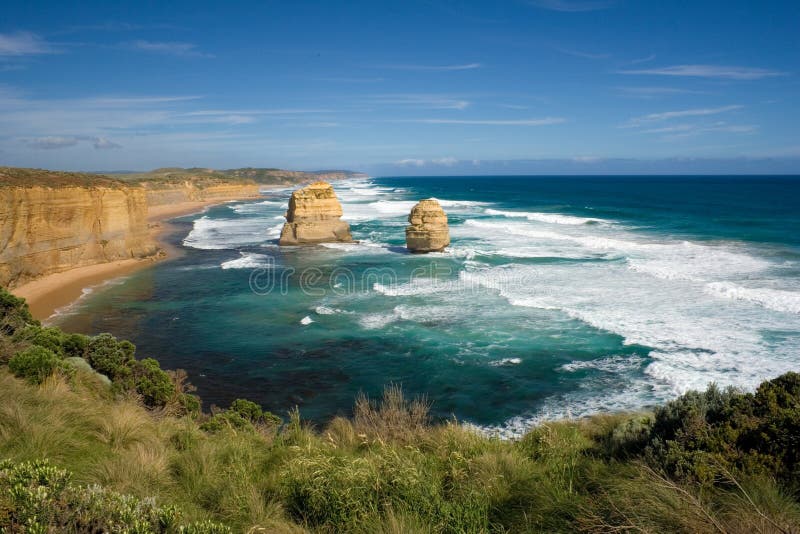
(241, 415)
(34, 364)
(14, 313)
(111, 357)
(75, 345)
(49, 338)
(152, 383)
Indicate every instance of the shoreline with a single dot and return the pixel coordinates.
(46, 295)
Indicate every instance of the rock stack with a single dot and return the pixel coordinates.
(428, 231)
(314, 217)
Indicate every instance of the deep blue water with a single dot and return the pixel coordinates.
(559, 296)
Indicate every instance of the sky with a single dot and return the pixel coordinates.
(411, 87)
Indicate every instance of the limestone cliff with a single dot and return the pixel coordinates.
(196, 191)
(314, 217)
(428, 230)
(46, 229)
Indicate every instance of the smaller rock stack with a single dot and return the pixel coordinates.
(314, 217)
(428, 230)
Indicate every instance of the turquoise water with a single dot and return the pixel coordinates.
(560, 296)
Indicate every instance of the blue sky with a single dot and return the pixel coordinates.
(407, 87)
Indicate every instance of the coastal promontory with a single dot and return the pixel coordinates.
(314, 216)
(428, 230)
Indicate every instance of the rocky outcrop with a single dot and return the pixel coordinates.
(314, 217)
(428, 230)
(159, 194)
(50, 229)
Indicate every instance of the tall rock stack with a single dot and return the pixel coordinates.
(314, 217)
(428, 230)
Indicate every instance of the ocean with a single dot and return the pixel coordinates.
(558, 297)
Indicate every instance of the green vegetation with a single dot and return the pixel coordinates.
(205, 177)
(136, 455)
(20, 177)
(163, 178)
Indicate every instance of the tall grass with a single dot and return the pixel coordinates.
(386, 470)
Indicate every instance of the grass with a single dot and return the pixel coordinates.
(716, 461)
(385, 470)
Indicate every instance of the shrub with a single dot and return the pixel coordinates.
(241, 415)
(34, 364)
(75, 345)
(49, 338)
(111, 357)
(152, 383)
(14, 313)
(38, 497)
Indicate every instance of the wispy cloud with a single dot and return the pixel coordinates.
(645, 59)
(52, 142)
(667, 115)
(444, 68)
(170, 48)
(682, 131)
(55, 142)
(652, 92)
(492, 122)
(410, 162)
(581, 54)
(572, 6)
(413, 162)
(709, 71)
(24, 44)
(101, 143)
(421, 100)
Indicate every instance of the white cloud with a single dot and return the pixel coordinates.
(441, 68)
(101, 143)
(652, 92)
(581, 54)
(572, 6)
(709, 71)
(52, 142)
(422, 100)
(23, 44)
(447, 162)
(55, 142)
(645, 59)
(667, 115)
(170, 48)
(410, 162)
(493, 122)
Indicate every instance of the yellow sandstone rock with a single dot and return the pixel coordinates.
(50, 229)
(428, 230)
(314, 217)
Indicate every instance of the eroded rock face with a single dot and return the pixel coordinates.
(314, 217)
(428, 230)
(46, 230)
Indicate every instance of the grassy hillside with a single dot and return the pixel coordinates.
(163, 178)
(129, 451)
(265, 176)
(20, 177)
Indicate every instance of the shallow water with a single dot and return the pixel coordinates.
(560, 296)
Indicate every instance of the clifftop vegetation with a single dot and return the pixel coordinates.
(96, 439)
(163, 178)
(20, 177)
(265, 176)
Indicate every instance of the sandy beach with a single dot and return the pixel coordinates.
(49, 293)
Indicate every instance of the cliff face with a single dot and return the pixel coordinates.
(188, 191)
(314, 217)
(50, 229)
